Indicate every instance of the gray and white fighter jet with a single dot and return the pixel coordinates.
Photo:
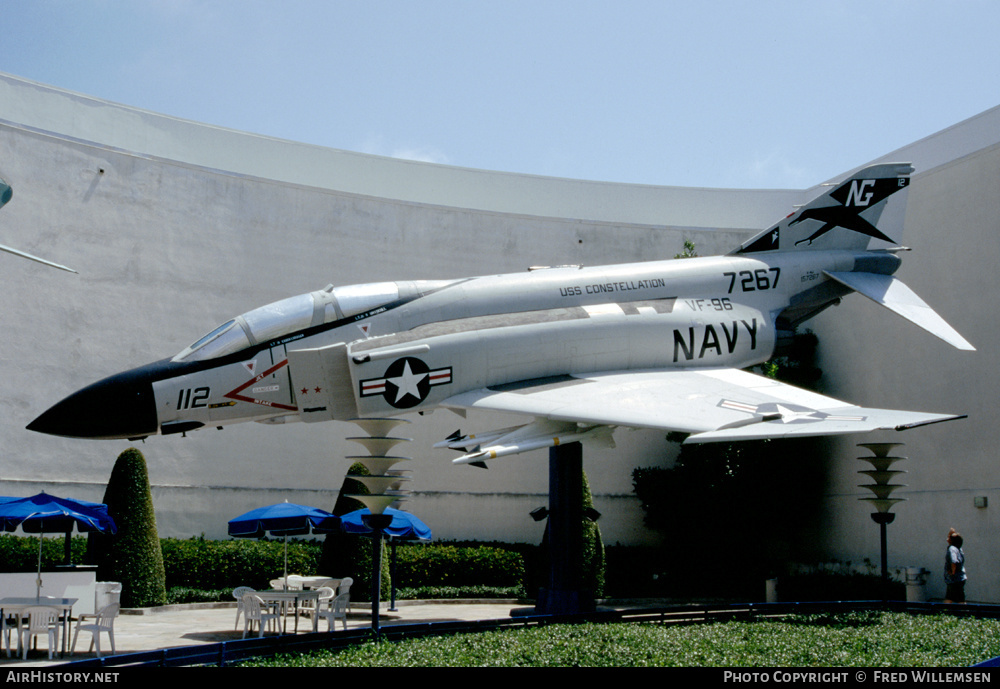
(660, 344)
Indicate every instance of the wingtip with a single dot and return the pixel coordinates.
(918, 424)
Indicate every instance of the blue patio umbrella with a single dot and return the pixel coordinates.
(404, 526)
(44, 513)
(283, 519)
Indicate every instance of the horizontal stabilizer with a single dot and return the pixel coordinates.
(897, 297)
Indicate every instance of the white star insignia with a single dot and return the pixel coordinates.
(791, 416)
(406, 384)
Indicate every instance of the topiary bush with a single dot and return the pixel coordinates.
(593, 574)
(592, 561)
(350, 555)
(132, 555)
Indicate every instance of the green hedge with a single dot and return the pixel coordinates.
(458, 566)
(199, 569)
(454, 592)
(20, 553)
(198, 563)
(202, 564)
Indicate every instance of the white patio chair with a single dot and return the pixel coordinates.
(105, 622)
(105, 594)
(280, 606)
(326, 594)
(296, 583)
(41, 620)
(8, 625)
(238, 594)
(335, 610)
(256, 611)
(345, 589)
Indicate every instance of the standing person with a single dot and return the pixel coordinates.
(954, 569)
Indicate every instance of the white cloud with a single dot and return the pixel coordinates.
(377, 145)
(422, 154)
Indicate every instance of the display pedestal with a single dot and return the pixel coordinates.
(565, 594)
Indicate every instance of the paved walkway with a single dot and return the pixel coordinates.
(193, 625)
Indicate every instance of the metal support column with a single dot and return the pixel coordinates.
(564, 593)
(376, 522)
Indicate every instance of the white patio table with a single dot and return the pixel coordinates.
(293, 597)
(313, 582)
(16, 605)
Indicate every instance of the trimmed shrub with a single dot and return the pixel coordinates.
(592, 565)
(592, 576)
(350, 555)
(132, 555)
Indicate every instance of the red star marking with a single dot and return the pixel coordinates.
(318, 389)
(305, 391)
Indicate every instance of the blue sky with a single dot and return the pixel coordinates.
(718, 94)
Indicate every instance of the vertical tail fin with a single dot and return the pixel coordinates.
(849, 216)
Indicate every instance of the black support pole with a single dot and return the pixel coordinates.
(882, 519)
(376, 579)
(376, 522)
(564, 593)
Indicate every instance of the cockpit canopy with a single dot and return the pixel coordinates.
(287, 316)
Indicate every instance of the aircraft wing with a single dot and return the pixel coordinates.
(711, 405)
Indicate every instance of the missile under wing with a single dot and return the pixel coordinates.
(661, 344)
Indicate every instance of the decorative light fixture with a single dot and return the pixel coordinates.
(882, 498)
(385, 489)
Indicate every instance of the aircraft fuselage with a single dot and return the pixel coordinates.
(391, 348)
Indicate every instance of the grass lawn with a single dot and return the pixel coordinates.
(867, 639)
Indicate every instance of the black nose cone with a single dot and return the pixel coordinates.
(121, 406)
